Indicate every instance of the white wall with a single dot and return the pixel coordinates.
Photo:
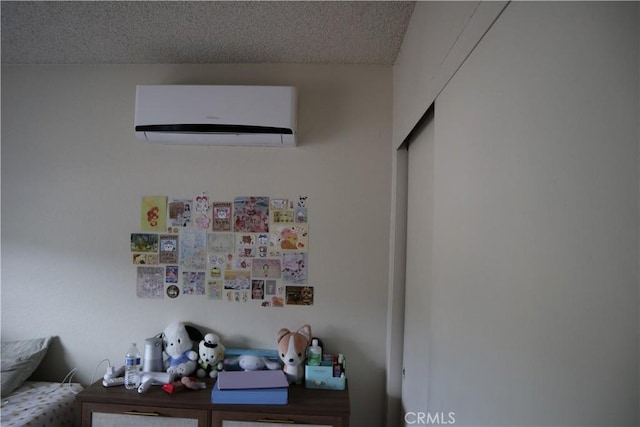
(73, 175)
(535, 294)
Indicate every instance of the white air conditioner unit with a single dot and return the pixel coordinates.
(216, 115)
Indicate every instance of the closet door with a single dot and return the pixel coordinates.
(415, 385)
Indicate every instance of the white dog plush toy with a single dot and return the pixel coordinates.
(179, 357)
(292, 349)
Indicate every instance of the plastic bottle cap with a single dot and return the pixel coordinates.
(314, 342)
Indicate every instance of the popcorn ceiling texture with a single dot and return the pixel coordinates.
(138, 32)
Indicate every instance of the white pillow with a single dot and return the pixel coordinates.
(19, 359)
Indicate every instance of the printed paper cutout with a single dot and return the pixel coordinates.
(150, 283)
(299, 295)
(179, 214)
(222, 216)
(153, 213)
(142, 242)
(257, 289)
(237, 280)
(258, 250)
(193, 249)
(193, 283)
(202, 212)
(168, 248)
(294, 268)
(251, 214)
(266, 268)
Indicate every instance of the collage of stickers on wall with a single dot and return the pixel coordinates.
(251, 250)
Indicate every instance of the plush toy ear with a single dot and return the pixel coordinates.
(194, 333)
(283, 333)
(305, 331)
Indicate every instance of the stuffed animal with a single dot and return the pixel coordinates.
(179, 357)
(292, 349)
(211, 354)
(249, 362)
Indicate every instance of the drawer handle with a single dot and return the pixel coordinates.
(274, 421)
(143, 414)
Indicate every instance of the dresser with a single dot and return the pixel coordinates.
(99, 406)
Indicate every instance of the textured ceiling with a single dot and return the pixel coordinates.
(138, 32)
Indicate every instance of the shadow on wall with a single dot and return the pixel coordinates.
(53, 363)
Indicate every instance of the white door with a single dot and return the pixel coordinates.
(415, 385)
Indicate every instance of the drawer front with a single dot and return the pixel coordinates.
(264, 424)
(247, 419)
(102, 419)
(103, 415)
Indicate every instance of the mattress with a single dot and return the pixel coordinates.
(39, 403)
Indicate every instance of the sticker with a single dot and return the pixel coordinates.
(173, 291)
(246, 245)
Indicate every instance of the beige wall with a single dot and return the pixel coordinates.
(73, 175)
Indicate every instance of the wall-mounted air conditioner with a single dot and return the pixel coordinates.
(216, 115)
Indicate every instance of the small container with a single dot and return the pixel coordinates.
(315, 353)
(321, 377)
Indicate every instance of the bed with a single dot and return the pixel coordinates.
(32, 403)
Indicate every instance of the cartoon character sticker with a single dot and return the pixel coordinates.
(221, 216)
(168, 248)
(291, 238)
(202, 209)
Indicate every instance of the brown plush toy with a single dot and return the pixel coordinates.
(292, 349)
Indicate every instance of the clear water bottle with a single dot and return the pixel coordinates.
(132, 368)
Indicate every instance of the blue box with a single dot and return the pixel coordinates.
(250, 396)
(321, 377)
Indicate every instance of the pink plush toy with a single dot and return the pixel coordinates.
(292, 349)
